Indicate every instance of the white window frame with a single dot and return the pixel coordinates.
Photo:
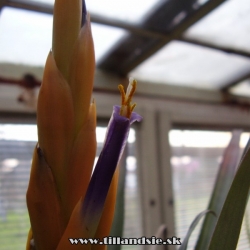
(201, 108)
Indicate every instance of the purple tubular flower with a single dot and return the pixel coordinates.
(116, 138)
(84, 13)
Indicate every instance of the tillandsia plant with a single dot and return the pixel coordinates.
(64, 198)
(228, 202)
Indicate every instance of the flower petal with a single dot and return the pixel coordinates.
(116, 138)
(134, 116)
(104, 227)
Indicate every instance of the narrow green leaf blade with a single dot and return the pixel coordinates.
(226, 234)
(192, 227)
(223, 182)
(247, 224)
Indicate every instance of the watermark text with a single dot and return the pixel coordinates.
(126, 241)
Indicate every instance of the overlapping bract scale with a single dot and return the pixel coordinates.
(62, 193)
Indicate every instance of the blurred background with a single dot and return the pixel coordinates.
(191, 59)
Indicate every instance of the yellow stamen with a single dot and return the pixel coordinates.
(121, 88)
(123, 96)
(126, 106)
(132, 107)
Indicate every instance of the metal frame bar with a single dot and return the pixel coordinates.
(123, 65)
(153, 37)
(107, 83)
(235, 82)
(237, 52)
(29, 5)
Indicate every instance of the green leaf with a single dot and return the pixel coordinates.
(226, 233)
(192, 227)
(247, 225)
(223, 182)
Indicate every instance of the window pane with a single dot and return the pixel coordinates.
(195, 160)
(228, 25)
(242, 88)
(15, 160)
(184, 64)
(17, 143)
(26, 37)
(104, 38)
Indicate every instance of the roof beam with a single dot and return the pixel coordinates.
(123, 58)
(134, 29)
(215, 47)
(29, 5)
(236, 81)
(137, 30)
(133, 50)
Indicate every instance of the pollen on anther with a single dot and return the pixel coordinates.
(126, 106)
(131, 90)
(123, 95)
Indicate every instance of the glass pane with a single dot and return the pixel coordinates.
(195, 160)
(242, 89)
(26, 37)
(104, 38)
(228, 25)
(128, 11)
(15, 160)
(17, 143)
(184, 64)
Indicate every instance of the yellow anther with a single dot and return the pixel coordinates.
(121, 88)
(130, 90)
(126, 106)
(133, 107)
